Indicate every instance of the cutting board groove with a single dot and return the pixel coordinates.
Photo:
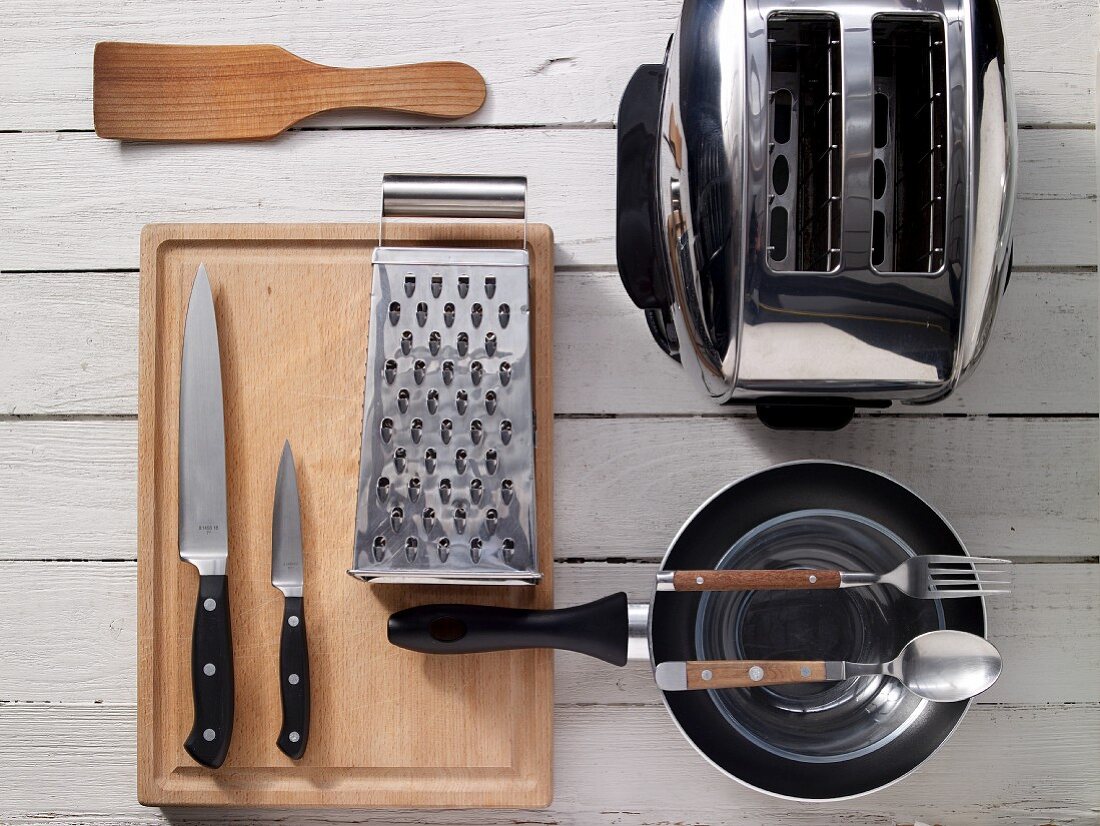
(390, 728)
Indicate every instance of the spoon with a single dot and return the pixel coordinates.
(943, 666)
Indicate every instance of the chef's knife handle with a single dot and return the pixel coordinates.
(598, 629)
(211, 674)
(294, 680)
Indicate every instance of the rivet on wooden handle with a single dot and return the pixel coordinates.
(754, 580)
(747, 673)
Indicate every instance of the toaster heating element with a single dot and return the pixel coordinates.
(814, 201)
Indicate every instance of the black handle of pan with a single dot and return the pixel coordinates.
(598, 629)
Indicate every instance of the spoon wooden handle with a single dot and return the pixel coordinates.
(747, 580)
(701, 674)
(147, 91)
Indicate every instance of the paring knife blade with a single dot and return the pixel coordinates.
(203, 527)
(286, 575)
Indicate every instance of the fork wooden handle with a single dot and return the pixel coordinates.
(754, 580)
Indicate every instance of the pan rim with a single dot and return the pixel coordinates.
(663, 566)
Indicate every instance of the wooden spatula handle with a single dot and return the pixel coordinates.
(747, 673)
(443, 89)
(754, 580)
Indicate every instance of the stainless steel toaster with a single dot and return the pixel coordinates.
(815, 199)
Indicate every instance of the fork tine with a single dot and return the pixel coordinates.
(977, 582)
(941, 559)
(978, 593)
(941, 582)
(960, 571)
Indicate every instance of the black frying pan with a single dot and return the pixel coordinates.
(605, 628)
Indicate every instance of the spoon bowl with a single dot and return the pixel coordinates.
(947, 666)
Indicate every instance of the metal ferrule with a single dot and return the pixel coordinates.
(637, 631)
(664, 581)
(847, 670)
(853, 579)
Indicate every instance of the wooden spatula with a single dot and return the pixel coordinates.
(147, 91)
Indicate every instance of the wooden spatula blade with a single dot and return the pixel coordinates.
(147, 91)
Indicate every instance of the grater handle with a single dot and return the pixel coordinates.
(598, 629)
(454, 196)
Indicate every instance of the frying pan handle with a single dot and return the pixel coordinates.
(598, 629)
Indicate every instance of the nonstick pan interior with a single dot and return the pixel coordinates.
(745, 749)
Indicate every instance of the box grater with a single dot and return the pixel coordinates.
(446, 474)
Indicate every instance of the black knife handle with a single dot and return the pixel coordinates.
(294, 680)
(211, 674)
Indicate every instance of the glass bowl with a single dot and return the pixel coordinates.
(821, 722)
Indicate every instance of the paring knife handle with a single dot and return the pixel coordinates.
(211, 674)
(294, 680)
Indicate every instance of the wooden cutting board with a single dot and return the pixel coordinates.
(390, 728)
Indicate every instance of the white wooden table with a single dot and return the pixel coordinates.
(1012, 459)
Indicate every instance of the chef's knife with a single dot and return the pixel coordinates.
(286, 575)
(203, 529)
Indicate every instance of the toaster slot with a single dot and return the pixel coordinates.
(805, 137)
(910, 144)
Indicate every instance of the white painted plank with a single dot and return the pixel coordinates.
(545, 63)
(70, 342)
(612, 765)
(75, 202)
(76, 639)
(1012, 486)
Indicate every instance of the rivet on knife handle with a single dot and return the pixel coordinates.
(211, 674)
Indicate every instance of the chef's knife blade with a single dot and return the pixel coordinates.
(203, 529)
(286, 575)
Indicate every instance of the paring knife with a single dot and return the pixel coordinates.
(286, 575)
(203, 528)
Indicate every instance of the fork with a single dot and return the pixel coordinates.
(922, 577)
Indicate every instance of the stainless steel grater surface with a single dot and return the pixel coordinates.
(446, 477)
